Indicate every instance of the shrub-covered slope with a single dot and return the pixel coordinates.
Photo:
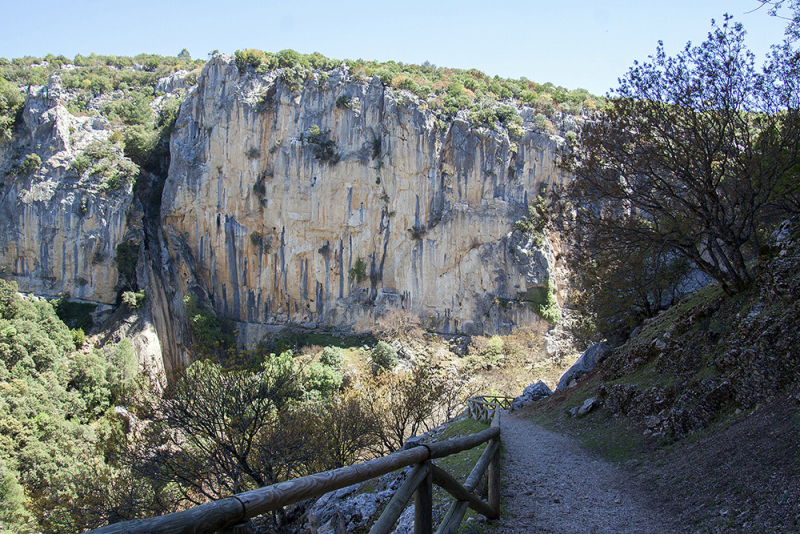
(704, 402)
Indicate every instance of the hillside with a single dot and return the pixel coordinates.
(703, 403)
(312, 260)
(281, 190)
(234, 221)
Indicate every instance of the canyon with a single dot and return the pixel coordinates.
(319, 203)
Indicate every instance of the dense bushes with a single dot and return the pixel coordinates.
(210, 334)
(384, 357)
(134, 107)
(55, 427)
(11, 101)
(77, 315)
(543, 302)
(332, 357)
(30, 164)
(445, 91)
(221, 429)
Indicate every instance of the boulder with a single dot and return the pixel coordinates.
(530, 394)
(588, 405)
(349, 508)
(588, 361)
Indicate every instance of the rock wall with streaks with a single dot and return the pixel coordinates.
(342, 198)
(59, 228)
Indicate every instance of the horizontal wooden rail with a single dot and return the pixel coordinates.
(482, 408)
(226, 513)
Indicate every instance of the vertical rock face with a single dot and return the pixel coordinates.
(59, 230)
(339, 199)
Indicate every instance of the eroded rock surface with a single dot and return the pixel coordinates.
(330, 201)
(59, 228)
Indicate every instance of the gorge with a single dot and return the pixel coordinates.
(315, 201)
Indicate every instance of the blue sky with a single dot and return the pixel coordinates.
(572, 43)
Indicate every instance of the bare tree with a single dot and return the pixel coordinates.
(695, 157)
(220, 432)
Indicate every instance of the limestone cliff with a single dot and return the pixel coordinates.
(60, 225)
(334, 199)
(322, 199)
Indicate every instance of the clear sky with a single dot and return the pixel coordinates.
(572, 43)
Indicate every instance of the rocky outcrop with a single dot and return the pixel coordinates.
(588, 361)
(334, 200)
(532, 393)
(59, 229)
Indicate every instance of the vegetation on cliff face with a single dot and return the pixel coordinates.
(443, 90)
(123, 89)
(11, 101)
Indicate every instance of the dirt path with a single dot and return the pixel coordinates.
(551, 484)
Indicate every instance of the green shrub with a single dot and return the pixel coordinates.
(168, 115)
(293, 78)
(318, 61)
(536, 222)
(123, 365)
(515, 130)
(323, 148)
(344, 102)
(543, 302)
(495, 346)
(118, 174)
(483, 113)
(332, 357)
(290, 58)
(30, 164)
(359, 271)
(571, 138)
(140, 142)
(384, 357)
(541, 122)
(210, 334)
(322, 379)
(81, 164)
(134, 109)
(133, 300)
(74, 314)
(78, 337)
(99, 150)
(11, 104)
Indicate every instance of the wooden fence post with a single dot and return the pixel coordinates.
(494, 482)
(423, 504)
(494, 468)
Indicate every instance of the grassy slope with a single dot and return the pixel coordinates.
(713, 420)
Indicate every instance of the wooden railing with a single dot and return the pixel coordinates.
(231, 515)
(482, 408)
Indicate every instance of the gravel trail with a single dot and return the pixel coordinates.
(551, 484)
